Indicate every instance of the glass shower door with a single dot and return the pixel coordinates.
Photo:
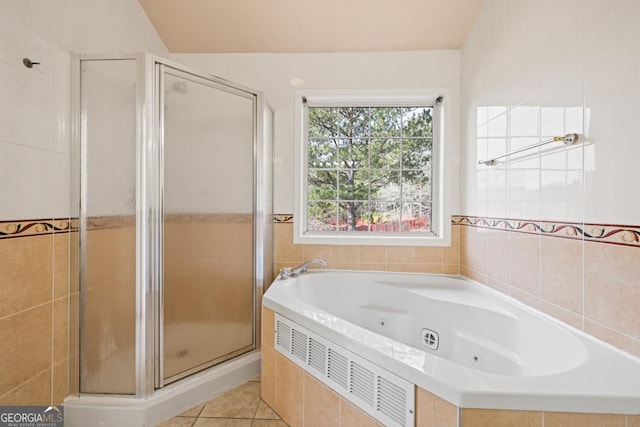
(207, 308)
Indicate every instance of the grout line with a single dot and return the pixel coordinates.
(221, 418)
(24, 310)
(255, 412)
(582, 147)
(583, 315)
(19, 144)
(53, 319)
(200, 411)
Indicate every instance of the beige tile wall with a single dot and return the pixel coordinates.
(34, 319)
(499, 418)
(296, 396)
(592, 286)
(379, 258)
(431, 411)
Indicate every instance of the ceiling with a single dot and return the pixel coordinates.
(296, 26)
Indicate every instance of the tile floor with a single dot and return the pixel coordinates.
(240, 407)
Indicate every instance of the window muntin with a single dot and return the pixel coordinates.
(369, 169)
(330, 222)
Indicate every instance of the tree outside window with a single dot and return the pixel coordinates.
(370, 169)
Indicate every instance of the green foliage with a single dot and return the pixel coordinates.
(357, 155)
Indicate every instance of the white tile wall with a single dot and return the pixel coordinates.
(273, 74)
(531, 70)
(35, 104)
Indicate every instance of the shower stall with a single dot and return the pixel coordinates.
(174, 206)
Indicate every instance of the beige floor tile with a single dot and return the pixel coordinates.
(241, 402)
(269, 423)
(265, 412)
(223, 422)
(178, 422)
(192, 412)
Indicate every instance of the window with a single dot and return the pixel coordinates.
(370, 169)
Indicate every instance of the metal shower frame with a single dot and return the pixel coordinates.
(149, 206)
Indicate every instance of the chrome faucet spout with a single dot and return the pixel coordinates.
(301, 269)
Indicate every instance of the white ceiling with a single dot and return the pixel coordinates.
(294, 26)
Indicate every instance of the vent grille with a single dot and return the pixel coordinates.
(283, 335)
(317, 356)
(299, 345)
(361, 384)
(383, 395)
(337, 368)
(390, 400)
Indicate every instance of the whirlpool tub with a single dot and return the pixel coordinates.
(457, 339)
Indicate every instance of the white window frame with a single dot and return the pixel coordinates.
(439, 98)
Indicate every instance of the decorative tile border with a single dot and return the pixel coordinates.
(627, 235)
(37, 227)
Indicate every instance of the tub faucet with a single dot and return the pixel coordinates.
(301, 269)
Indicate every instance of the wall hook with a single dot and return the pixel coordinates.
(29, 63)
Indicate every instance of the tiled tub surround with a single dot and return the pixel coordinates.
(34, 310)
(586, 275)
(301, 400)
(418, 259)
(563, 269)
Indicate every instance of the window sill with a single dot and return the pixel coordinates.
(360, 239)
